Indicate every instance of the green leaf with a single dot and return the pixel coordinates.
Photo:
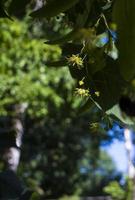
(71, 48)
(109, 83)
(123, 16)
(79, 14)
(116, 114)
(76, 73)
(96, 61)
(86, 106)
(66, 38)
(18, 8)
(59, 63)
(78, 35)
(53, 8)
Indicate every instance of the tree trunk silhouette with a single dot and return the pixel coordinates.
(131, 168)
(12, 151)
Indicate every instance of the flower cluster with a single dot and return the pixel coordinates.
(82, 92)
(94, 126)
(97, 93)
(75, 60)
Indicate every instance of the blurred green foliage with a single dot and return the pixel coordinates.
(119, 192)
(22, 68)
(115, 190)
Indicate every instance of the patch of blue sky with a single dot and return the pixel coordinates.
(104, 37)
(117, 149)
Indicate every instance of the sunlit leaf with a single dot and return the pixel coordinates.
(53, 8)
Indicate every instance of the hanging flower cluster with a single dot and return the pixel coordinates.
(82, 92)
(75, 60)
